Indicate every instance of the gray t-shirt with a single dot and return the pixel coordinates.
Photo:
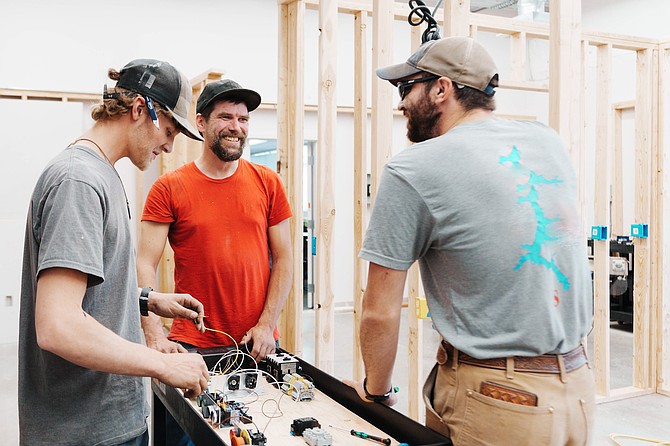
(78, 219)
(490, 211)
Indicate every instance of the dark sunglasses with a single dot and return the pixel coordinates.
(405, 86)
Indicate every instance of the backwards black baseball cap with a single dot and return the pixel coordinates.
(227, 89)
(164, 84)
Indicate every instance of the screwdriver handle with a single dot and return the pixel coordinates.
(386, 441)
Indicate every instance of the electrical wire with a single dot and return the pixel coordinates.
(421, 13)
(632, 437)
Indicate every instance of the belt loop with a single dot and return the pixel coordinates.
(561, 368)
(588, 361)
(510, 367)
(454, 359)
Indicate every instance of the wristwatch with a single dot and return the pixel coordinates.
(376, 398)
(144, 300)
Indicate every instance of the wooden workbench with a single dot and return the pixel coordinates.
(335, 406)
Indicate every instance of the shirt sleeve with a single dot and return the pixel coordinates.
(70, 230)
(400, 227)
(279, 209)
(158, 205)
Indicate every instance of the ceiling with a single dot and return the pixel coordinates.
(504, 8)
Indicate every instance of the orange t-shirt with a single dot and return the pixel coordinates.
(219, 234)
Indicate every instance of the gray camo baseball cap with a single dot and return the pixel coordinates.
(461, 59)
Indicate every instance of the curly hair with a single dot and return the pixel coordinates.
(117, 102)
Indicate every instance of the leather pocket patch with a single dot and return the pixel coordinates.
(507, 394)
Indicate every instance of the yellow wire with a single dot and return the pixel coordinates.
(237, 349)
(649, 440)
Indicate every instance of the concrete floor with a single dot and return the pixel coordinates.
(646, 416)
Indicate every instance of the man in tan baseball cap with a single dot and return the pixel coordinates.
(488, 207)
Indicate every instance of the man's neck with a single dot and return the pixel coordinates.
(105, 137)
(209, 164)
(453, 120)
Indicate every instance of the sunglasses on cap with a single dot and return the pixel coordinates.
(405, 86)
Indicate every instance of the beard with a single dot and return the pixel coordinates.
(422, 119)
(227, 154)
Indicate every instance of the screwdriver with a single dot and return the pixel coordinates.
(359, 434)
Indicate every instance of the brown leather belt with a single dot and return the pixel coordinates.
(572, 360)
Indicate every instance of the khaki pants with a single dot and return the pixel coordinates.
(564, 414)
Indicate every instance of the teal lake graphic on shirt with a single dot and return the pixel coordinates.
(529, 193)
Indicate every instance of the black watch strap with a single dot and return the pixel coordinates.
(144, 300)
(375, 398)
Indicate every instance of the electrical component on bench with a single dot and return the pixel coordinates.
(299, 425)
(242, 436)
(241, 380)
(220, 412)
(315, 436)
(210, 407)
(297, 387)
(280, 364)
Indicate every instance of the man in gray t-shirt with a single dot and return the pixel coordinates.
(488, 207)
(81, 358)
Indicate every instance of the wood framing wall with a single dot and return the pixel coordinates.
(569, 48)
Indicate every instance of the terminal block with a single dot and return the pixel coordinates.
(297, 387)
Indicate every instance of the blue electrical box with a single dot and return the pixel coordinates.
(599, 232)
(640, 230)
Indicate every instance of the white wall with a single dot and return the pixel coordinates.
(68, 46)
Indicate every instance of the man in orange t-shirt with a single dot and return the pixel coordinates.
(227, 222)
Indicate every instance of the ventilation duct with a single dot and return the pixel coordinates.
(532, 10)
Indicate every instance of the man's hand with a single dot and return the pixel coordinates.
(185, 371)
(163, 344)
(263, 341)
(178, 305)
(358, 387)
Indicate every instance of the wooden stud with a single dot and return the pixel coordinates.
(382, 103)
(663, 308)
(290, 142)
(565, 114)
(518, 54)
(641, 291)
(415, 325)
(360, 179)
(325, 203)
(601, 248)
(458, 12)
(655, 225)
(617, 166)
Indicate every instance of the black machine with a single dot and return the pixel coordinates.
(622, 271)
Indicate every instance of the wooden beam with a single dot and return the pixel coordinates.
(601, 212)
(325, 203)
(415, 373)
(641, 291)
(663, 309)
(518, 55)
(458, 12)
(382, 102)
(290, 142)
(617, 174)
(656, 228)
(45, 95)
(360, 179)
(565, 111)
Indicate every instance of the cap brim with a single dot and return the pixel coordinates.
(250, 98)
(186, 127)
(392, 73)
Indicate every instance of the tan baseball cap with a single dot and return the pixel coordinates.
(461, 59)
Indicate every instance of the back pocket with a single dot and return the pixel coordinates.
(488, 421)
